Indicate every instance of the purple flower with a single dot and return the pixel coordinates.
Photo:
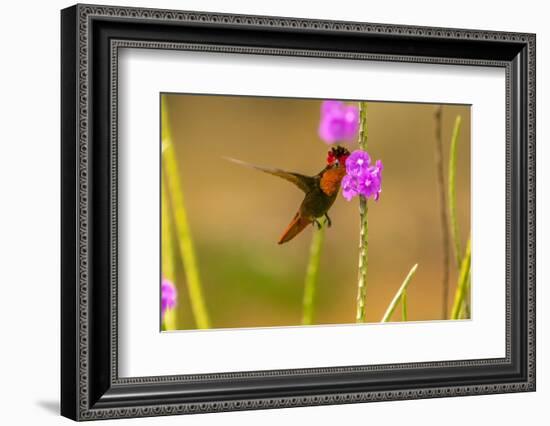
(339, 122)
(357, 163)
(361, 177)
(350, 187)
(169, 295)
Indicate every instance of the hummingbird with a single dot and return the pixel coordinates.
(320, 190)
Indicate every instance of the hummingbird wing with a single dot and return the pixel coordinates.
(305, 183)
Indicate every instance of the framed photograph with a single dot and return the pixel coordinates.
(263, 212)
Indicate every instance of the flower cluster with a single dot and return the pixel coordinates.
(339, 122)
(362, 178)
(169, 295)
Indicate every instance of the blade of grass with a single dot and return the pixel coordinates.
(462, 280)
(442, 211)
(167, 255)
(363, 227)
(170, 320)
(404, 306)
(168, 266)
(465, 309)
(312, 274)
(185, 242)
(452, 191)
(397, 297)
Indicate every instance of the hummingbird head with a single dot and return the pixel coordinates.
(337, 156)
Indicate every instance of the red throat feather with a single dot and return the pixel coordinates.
(296, 226)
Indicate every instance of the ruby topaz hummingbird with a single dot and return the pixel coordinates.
(320, 190)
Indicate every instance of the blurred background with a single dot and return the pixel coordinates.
(236, 214)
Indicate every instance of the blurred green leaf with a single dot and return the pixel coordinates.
(182, 228)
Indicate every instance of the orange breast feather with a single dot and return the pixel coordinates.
(330, 181)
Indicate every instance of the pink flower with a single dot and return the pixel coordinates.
(339, 122)
(169, 295)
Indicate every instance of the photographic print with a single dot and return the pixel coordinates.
(295, 212)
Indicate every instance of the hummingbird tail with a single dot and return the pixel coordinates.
(294, 228)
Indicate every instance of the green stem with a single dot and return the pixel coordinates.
(452, 191)
(442, 212)
(465, 309)
(185, 242)
(363, 226)
(404, 306)
(462, 282)
(398, 295)
(312, 274)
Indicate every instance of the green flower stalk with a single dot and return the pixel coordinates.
(463, 279)
(465, 310)
(364, 226)
(400, 296)
(312, 274)
(443, 211)
(461, 308)
(452, 191)
(185, 242)
(363, 179)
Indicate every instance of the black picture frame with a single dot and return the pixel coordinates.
(90, 386)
